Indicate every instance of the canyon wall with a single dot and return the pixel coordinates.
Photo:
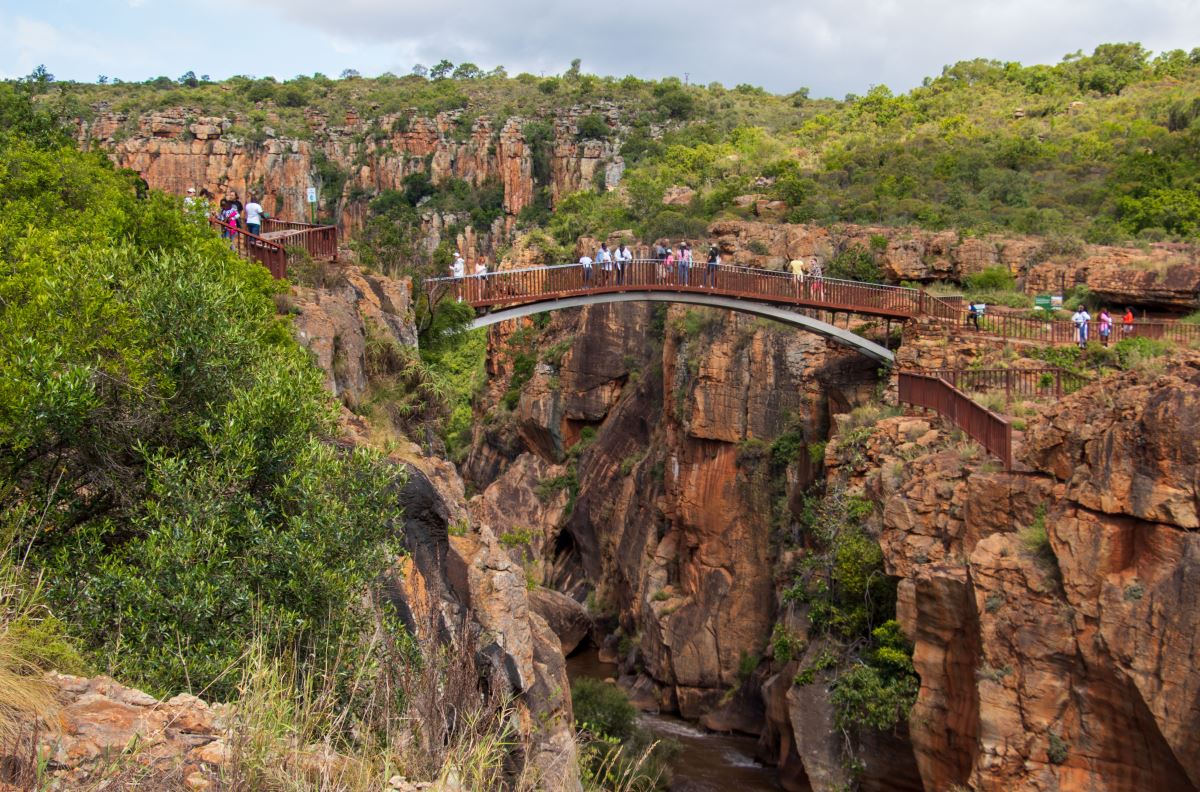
(178, 148)
(1055, 663)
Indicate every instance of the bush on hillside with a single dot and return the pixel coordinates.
(162, 418)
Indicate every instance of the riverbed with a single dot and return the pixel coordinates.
(707, 761)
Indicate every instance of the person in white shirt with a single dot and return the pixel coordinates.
(605, 260)
(1081, 319)
(254, 216)
(624, 257)
(585, 261)
(457, 267)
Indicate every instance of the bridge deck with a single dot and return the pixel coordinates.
(510, 288)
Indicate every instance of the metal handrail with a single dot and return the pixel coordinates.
(535, 284)
(990, 430)
(265, 251)
(694, 265)
(1041, 381)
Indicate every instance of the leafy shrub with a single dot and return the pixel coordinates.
(785, 645)
(855, 263)
(1058, 749)
(593, 127)
(997, 278)
(175, 432)
(1131, 352)
(603, 707)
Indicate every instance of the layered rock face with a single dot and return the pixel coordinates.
(1052, 609)
(1165, 275)
(177, 148)
(654, 421)
(336, 322)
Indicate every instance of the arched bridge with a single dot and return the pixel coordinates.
(510, 294)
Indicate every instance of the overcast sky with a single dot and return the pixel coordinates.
(833, 47)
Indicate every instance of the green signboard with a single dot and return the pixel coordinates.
(1043, 302)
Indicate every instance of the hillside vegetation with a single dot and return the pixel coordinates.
(163, 454)
(1103, 147)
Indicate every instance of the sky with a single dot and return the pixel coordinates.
(832, 47)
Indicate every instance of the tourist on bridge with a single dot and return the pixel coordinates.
(481, 271)
(229, 216)
(669, 265)
(797, 267)
(1104, 322)
(254, 216)
(457, 270)
(605, 260)
(816, 274)
(1127, 322)
(685, 263)
(624, 259)
(974, 311)
(236, 203)
(585, 261)
(710, 270)
(1081, 319)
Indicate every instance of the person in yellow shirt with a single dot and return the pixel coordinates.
(797, 267)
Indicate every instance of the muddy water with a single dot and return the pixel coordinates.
(707, 762)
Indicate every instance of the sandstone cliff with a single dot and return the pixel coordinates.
(177, 148)
(641, 431)
(1052, 609)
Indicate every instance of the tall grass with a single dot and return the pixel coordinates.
(30, 639)
(421, 715)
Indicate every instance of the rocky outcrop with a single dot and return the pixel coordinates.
(669, 528)
(337, 322)
(1165, 276)
(1052, 610)
(179, 147)
(182, 742)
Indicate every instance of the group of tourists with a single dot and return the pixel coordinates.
(232, 214)
(670, 265)
(1104, 325)
(613, 265)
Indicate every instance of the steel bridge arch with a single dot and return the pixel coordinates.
(783, 315)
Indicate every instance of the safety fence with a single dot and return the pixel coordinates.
(990, 430)
(517, 287)
(1049, 381)
(265, 251)
(1065, 331)
(321, 242)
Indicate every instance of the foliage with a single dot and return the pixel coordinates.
(785, 644)
(1058, 749)
(995, 278)
(617, 752)
(854, 263)
(851, 605)
(173, 430)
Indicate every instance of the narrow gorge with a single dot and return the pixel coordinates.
(496, 547)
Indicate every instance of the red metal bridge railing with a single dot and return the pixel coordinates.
(1046, 381)
(320, 241)
(266, 252)
(990, 430)
(508, 288)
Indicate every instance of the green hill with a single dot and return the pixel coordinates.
(1102, 147)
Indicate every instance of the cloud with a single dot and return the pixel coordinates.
(35, 42)
(832, 46)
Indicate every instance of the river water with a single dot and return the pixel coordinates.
(707, 761)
